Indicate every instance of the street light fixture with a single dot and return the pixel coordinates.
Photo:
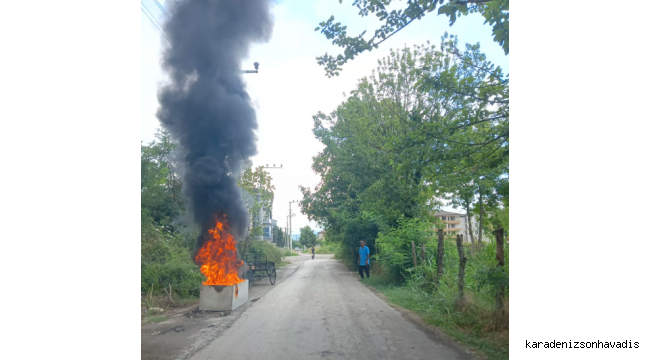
(256, 64)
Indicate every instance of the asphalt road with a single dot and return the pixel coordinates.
(323, 312)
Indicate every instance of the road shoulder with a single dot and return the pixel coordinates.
(188, 330)
(434, 333)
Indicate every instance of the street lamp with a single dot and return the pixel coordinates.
(256, 64)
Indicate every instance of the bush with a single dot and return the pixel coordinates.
(340, 253)
(272, 252)
(327, 248)
(165, 259)
(394, 245)
(471, 322)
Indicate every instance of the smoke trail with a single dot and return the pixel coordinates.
(206, 107)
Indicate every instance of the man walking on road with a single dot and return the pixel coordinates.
(364, 259)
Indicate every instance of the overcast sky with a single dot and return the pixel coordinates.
(290, 87)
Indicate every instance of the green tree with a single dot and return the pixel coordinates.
(279, 237)
(362, 188)
(256, 183)
(166, 243)
(495, 12)
(429, 124)
(160, 185)
(307, 237)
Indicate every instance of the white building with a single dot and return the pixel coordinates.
(456, 223)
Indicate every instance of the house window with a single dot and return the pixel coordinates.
(452, 218)
(444, 218)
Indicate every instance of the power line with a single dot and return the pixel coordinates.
(153, 20)
(162, 9)
(152, 16)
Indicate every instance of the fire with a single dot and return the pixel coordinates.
(218, 257)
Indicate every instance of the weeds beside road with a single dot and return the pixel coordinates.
(462, 325)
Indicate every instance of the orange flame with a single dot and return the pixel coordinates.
(218, 257)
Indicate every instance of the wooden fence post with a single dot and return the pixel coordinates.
(441, 253)
(461, 269)
(415, 259)
(499, 314)
(422, 255)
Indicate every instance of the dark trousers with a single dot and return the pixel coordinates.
(367, 268)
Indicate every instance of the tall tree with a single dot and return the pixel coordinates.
(279, 237)
(428, 122)
(256, 182)
(160, 186)
(307, 237)
(495, 12)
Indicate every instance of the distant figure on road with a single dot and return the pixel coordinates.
(313, 252)
(364, 259)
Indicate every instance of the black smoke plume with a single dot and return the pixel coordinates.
(206, 107)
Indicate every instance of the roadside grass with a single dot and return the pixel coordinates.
(469, 325)
(186, 301)
(154, 319)
(281, 264)
(325, 249)
(289, 253)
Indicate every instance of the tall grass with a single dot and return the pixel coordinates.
(471, 321)
(327, 248)
(288, 252)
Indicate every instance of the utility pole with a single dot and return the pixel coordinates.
(290, 216)
(269, 167)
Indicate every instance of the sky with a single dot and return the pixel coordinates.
(291, 87)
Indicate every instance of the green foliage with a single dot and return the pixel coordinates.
(327, 248)
(256, 183)
(160, 186)
(495, 12)
(166, 244)
(437, 303)
(469, 324)
(279, 237)
(394, 246)
(429, 124)
(272, 252)
(288, 252)
(155, 319)
(307, 237)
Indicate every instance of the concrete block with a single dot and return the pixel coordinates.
(223, 298)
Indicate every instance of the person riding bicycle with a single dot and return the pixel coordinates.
(313, 252)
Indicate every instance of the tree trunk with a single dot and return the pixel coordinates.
(469, 223)
(480, 217)
(461, 270)
(415, 261)
(500, 319)
(422, 255)
(441, 253)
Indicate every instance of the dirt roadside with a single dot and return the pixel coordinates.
(188, 330)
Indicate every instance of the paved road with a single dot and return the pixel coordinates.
(323, 312)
